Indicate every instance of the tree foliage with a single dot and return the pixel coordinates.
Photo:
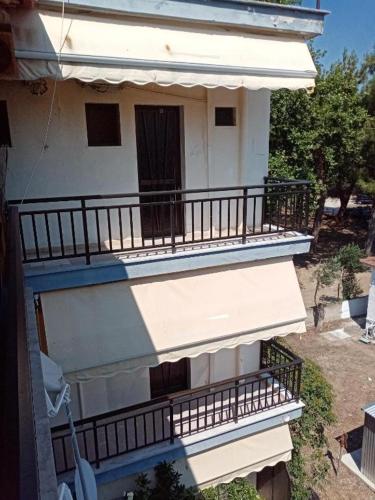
(320, 136)
(366, 181)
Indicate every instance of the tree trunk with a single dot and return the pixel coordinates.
(344, 195)
(320, 165)
(370, 243)
(344, 200)
(318, 218)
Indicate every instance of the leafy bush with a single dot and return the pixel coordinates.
(167, 485)
(326, 274)
(239, 489)
(349, 257)
(309, 467)
(344, 266)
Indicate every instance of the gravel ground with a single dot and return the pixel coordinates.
(349, 365)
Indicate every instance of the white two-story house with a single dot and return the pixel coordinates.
(158, 252)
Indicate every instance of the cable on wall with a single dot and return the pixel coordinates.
(51, 107)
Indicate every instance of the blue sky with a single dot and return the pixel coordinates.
(350, 25)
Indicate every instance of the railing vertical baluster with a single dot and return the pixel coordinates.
(264, 208)
(154, 425)
(192, 220)
(236, 401)
(145, 429)
(22, 239)
(120, 227)
(182, 208)
(254, 215)
(237, 214)
(96, 445)
(109, 228)
(85, 231)
(189, 416)
(64, 453)
(73, 232)
(35, 236)
(228, 216)
(126, 434)
(202, 220)
(171, 423)
(61, 234)
(98, 230)
(48, 235)
(106, 440)
(135, 431)
(298, 367)
(307, 209)
(220, 221)
(244, 215)
(131, 226)
(205, 412)
(172, 208)
(211, 221)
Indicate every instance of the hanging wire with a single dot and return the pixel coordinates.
(51, 107)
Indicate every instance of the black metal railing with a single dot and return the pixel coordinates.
(80, 226)
(185, 413)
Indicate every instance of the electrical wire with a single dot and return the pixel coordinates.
(51, 107)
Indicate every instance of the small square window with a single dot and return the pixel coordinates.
(103, 124)
(4, 125)
(225, 117)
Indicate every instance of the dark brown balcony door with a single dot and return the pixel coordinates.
(169, 377)
(159, 168)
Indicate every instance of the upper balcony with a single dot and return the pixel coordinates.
(157, 225)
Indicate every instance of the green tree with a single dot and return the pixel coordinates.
(320, 136)
(366, 182)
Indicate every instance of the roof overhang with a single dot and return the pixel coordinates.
(247, 14)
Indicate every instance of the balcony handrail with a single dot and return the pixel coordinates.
(159, 219)
(50, 199)
(184, 413)
(296, 360)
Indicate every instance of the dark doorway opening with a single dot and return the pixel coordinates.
(158, 133)
(169, 377)
(273, 483)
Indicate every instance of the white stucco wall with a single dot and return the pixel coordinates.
(70, 167)
(212, 156)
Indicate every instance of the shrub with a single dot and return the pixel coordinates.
(309, 467)
(349, 257)
(167, 485)
(239, 489)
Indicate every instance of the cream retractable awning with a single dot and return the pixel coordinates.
(242, 457)
(101, 330)
(124, 50)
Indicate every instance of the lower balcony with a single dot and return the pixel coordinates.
(169, 419)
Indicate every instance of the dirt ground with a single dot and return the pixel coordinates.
(349, 365)
(334, 235)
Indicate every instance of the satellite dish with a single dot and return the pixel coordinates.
(88, 477)
(63, 492)
(52, 374)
